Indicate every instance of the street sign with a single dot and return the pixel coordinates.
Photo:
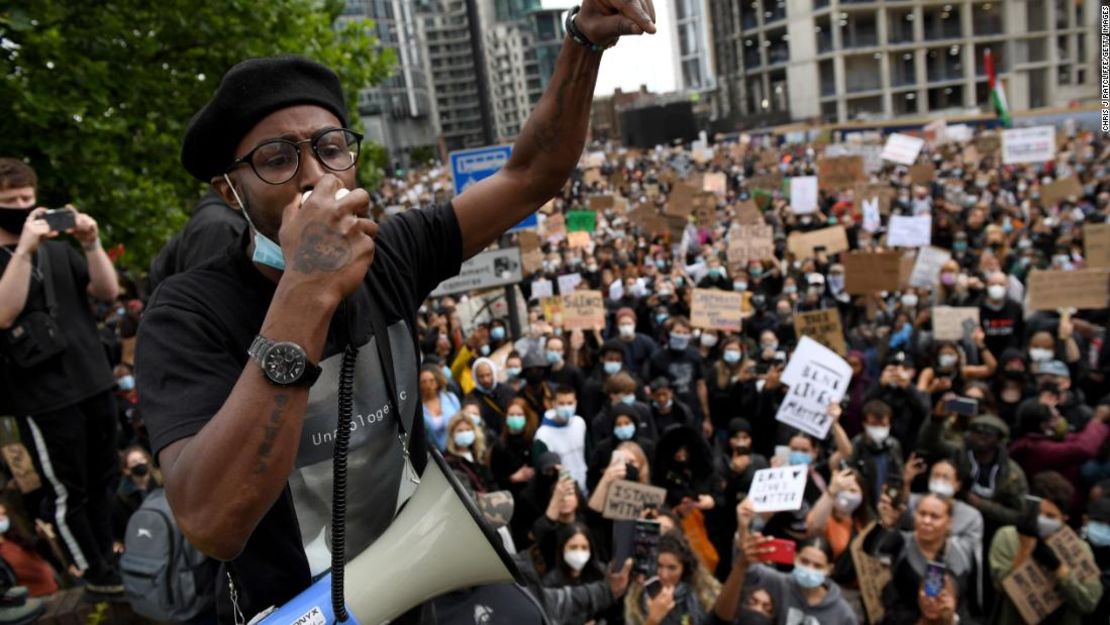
(486, 270)
(470, 166)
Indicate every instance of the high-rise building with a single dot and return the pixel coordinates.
(840, 60)
(693, 54)
(398, 114)
(455, 75)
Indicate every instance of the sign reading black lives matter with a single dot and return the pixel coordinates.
(817, 377)
(486, 270)
(778, 490)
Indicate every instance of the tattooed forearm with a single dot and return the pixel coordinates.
(321, 250)
(545, 132)
(277, 415)
(563, 113)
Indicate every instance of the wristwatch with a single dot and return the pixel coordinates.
(284, 363)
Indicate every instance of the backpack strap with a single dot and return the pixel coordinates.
(47, 281)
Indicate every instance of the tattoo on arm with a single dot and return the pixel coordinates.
(546, 133)
(272, 428)
(322, 249)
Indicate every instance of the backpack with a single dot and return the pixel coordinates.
(165, 578)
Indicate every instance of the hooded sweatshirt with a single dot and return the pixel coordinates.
(790, 604)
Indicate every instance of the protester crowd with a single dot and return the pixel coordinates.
(557, 415)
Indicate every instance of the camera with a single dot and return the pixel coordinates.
(59, 219)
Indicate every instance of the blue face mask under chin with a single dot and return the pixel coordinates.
(266, 252)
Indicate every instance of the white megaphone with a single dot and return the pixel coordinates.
(440, 540)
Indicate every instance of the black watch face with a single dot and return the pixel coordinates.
(284, 363)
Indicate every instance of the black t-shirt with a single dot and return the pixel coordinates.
(212, 227)
(82, 370)
(1004, 326)
(192, 349)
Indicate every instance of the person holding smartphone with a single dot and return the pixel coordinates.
(54, 372)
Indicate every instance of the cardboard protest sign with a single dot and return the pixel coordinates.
(22, 468)
(705, 207)
(839, 172)
(1060, 190)
(871, 272)
(926, 270)
(541, 288)
(715, 309)
(916, 231)
(970, 155)
(680, 202)
(568, 282)
(988, 143)
(823, 326)
(748, 243)
(902, 149)
(803, 194)
(578, 240)
(950, 322)
(871, 154)
(1096, 244)
(1081, 288)
(552, 310)
(767, 182)
(594, 159)
(676, 225)
(1071, 549)
(555, 228)
(529, 240)
(583, 310)
(1032, 591)
(531, 261)
(581, 221)
(1028, 145)
(817, 377)
(591, 176)
(747, 213)
(834, 239)
(778, 490)
(715, 182)
(617, 179)
(923, 173)
(601, 203)
(627, 500)
(873, 577)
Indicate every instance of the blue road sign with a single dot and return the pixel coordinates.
(470, 166)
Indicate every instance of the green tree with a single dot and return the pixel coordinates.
(97, 95)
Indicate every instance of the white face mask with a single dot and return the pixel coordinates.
(877, 433)
(576, 558)
(627, 330)
(947, 361)
(708, 340)
(1040, 354)
(941, 487)
(909, 300)
(996, 292)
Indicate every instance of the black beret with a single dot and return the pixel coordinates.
(247, 93)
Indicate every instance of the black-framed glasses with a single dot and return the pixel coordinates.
(278, 161)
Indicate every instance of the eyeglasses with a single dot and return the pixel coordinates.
(279, 160)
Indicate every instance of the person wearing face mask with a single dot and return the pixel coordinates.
(730, 384)
(492, 396)
(564, 432)
(707, 347)
(967, 521)
(682, 367)
(498, 334)
(1028, 538)
(896, 390)
(1042, 439)
(950, 368)
(1097, 533)
(716, 276)
(594, 396)
(139, 478)
(19, 551)
(638, 347)
(577, 565)
(667, 410)
(466, 454)
(514, 372)
(537, 391)
(876, 453)
(439, 405)
(510, 458)
(626, 426)
(1000, 316)
(560, 372)
(621, 393)
(1072, 404)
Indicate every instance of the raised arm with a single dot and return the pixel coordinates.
(552, 139)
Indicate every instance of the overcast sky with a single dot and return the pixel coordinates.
(636, 60)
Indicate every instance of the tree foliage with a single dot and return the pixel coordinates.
(96, 95)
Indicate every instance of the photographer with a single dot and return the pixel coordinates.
(55, 374)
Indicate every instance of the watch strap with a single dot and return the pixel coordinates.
(257, 352)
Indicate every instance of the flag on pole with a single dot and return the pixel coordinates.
(998, 96)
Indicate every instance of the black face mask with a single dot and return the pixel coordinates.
(533, 376)
(12, 219)
(140, 470)
(1014, 374)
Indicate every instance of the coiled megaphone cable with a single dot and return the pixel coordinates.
(339, 483)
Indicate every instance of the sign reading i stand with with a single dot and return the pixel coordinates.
(470, 166)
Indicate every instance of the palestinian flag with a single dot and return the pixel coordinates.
(998, 96)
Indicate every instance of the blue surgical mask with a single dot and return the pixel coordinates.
(806, 577)
(959, 246)
(565, 412)
(629, 399)
(799, 458)
(5, 525)
(126, 383)
(612, 367)
(739, 285)
(553, 357)
(789, 289)
(660, 263)
(121, 311)
(512, 372)
(1098, 533)
(515, 422)
(660, 318)
(679, 342)
(731, 356)
(484, 350)
(464, 438)
(266, 252)
(497, 333)
(624, 432)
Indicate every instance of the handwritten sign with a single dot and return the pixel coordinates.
(839, 172)
(568, 282)
(1096, 243)
(923, 173)
(1081, 288)
(873, 577)
(1074, 552)
(803, 194)
(1061, 189)
(716, 309)
(748, 243)
(1028, 145)
(950, 322)
(916, 231)
(866, 273)
(926, 270)
(581, 221)
(823, 326)
(583, 310)
(541, 288)
(627, 500)
(600, 203)
(766, 182)
(715, 182)
(555, 228)
(834, 239)
(591, 176)
(817, 377)
(778, 490)
(1031, 590)
(680, 202)
(578, 240)
(747, 213)
(902, 149)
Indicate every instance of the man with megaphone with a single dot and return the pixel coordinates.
(242, 362)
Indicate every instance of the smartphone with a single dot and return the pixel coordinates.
(652, 587)
(59, 219)
(564, 474)
(934, 578)
(645, 547)
(781, 551)
(631, 473)
(964, 406)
